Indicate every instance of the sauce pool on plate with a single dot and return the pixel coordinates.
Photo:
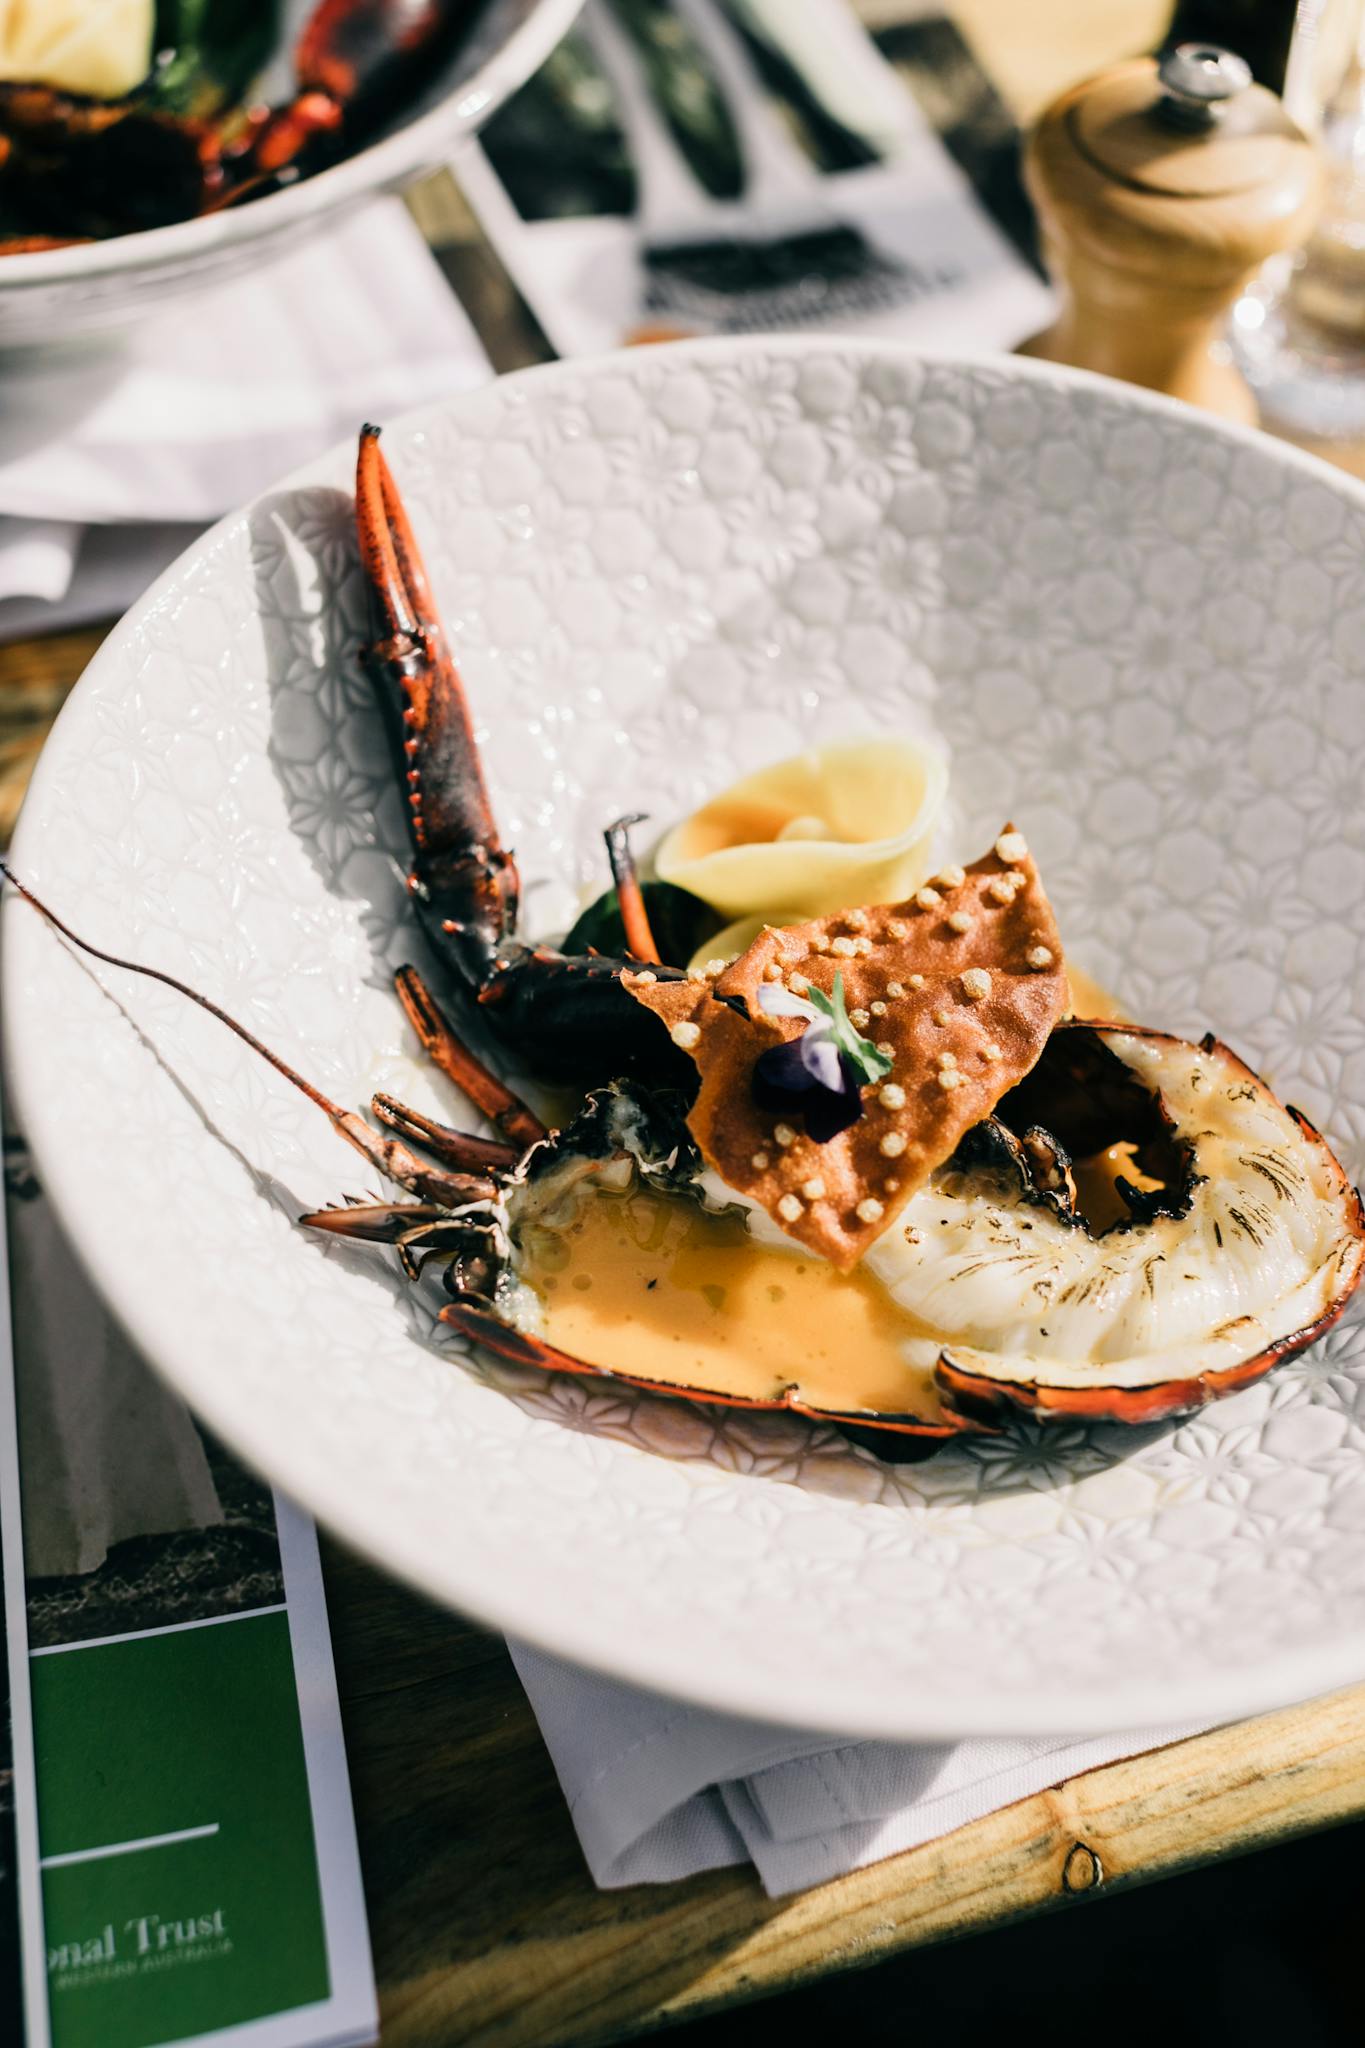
(662, 1288)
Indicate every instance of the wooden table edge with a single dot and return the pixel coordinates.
(677, 1952)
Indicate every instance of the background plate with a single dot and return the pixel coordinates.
(1140, 634)
(48, 295)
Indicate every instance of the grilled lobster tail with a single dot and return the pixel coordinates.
(570, 1015)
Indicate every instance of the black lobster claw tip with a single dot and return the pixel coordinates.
(393, 571)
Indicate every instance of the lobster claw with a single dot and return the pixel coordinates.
(575, 1013)
(464, 880)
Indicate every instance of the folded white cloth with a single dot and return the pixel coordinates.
(658, 1790)
(207, 403)
(69, 575)
(37, 557)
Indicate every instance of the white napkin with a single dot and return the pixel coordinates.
(658, 1790)
(108, 1452)
(37, 557)
(56, 574)
(210, 401)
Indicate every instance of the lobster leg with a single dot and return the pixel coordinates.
(375, 1222)
(459, 1149)
(418, 1231)
(406, 1170)
(445, 1051)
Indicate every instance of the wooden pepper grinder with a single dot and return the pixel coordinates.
(1160, 188)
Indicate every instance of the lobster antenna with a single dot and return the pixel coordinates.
(315, 1095)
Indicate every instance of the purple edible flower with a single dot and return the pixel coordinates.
(818, 1075)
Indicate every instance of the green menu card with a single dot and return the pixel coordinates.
(178, 1858)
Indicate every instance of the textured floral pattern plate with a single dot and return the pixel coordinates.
(1139, 633)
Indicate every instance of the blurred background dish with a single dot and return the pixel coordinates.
(49, 294)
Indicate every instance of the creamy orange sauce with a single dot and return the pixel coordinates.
(1097, 1196)
(663, 1290)
(1088, 999)
(1097, 1178)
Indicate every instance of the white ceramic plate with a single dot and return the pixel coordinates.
(53, 293)
(1139, 633)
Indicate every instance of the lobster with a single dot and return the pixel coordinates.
(458, 1206)
(472, 1204)
(568, 1016)
(182, 143)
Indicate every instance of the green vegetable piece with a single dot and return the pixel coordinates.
(210, 52)
(678, 919)
(861, 1054)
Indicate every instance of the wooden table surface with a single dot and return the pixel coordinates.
(486, 1928)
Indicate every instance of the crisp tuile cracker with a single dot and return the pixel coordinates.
(978, 965)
